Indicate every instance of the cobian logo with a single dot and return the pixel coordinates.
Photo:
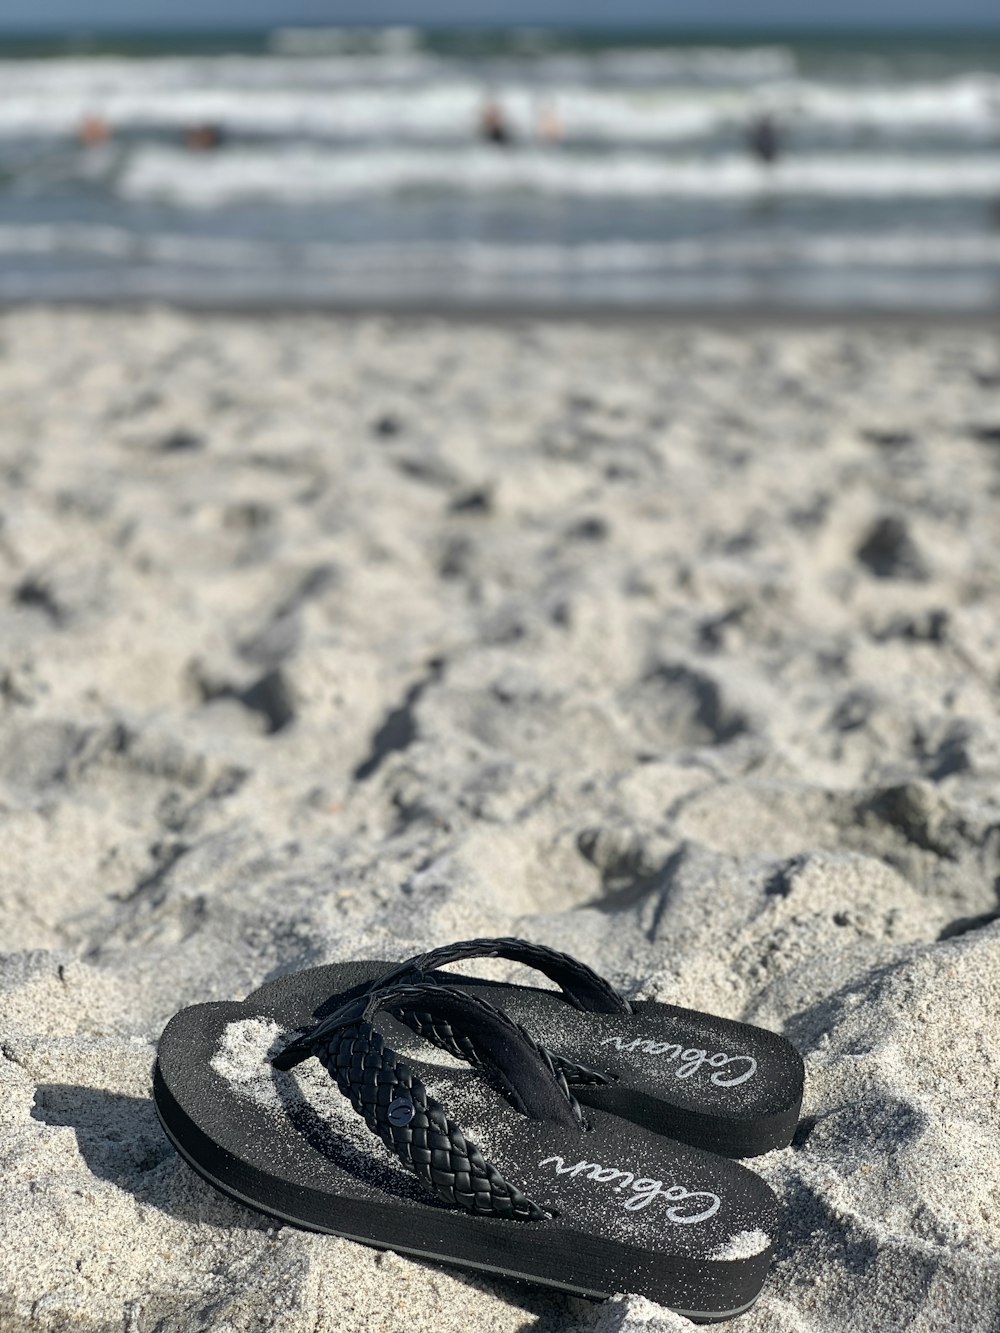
(691, 1060)
(684, 1206)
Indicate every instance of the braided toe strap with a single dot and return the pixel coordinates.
(440, 1033)
(413, 1125)
(581, 986)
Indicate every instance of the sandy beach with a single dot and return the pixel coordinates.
(675, 647)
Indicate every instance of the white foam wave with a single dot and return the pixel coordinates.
(312, 175)
(969, 103)
(442, 112)
(393, 63)
(891, 250)
(338, 99)
(107, 76)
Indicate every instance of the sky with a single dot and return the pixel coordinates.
(79, 14)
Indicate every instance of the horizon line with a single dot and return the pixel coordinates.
(860, 28)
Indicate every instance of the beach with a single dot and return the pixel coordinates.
(669, 644)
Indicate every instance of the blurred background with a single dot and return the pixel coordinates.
(817, 157)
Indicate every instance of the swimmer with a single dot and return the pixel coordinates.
(548, 125)
(763, 139)
(203, 138)
(93, 131)
(493, 124)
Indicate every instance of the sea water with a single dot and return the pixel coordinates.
(350, 167)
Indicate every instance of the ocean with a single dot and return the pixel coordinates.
(515, 169)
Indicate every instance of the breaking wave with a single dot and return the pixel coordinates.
(310, 175)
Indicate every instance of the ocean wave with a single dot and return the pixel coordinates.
(312, 175)
(545, 52)
(447, 109)
(100, 76)
(684, 274)
(897, 249)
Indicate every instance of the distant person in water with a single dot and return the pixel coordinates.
(203, 138)
(763, 139)
(493, 125)
(92, 131)
(548, 125)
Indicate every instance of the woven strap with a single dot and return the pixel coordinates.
(397, 1107)
(583, 988)
(440, 1033)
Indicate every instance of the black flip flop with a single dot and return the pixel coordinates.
(590, 1206)
(729, 1087)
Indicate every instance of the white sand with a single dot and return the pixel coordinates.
(676, 649)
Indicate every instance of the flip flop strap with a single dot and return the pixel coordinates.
(583, 988)
(439, 1032)
(396, 1106)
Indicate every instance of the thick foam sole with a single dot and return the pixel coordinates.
(696, 1316)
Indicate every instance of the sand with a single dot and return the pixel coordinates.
(677, 648)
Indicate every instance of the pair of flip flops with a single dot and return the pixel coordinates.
(573, 1138)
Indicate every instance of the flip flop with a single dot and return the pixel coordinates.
(712, 1082)
(529, 1189)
